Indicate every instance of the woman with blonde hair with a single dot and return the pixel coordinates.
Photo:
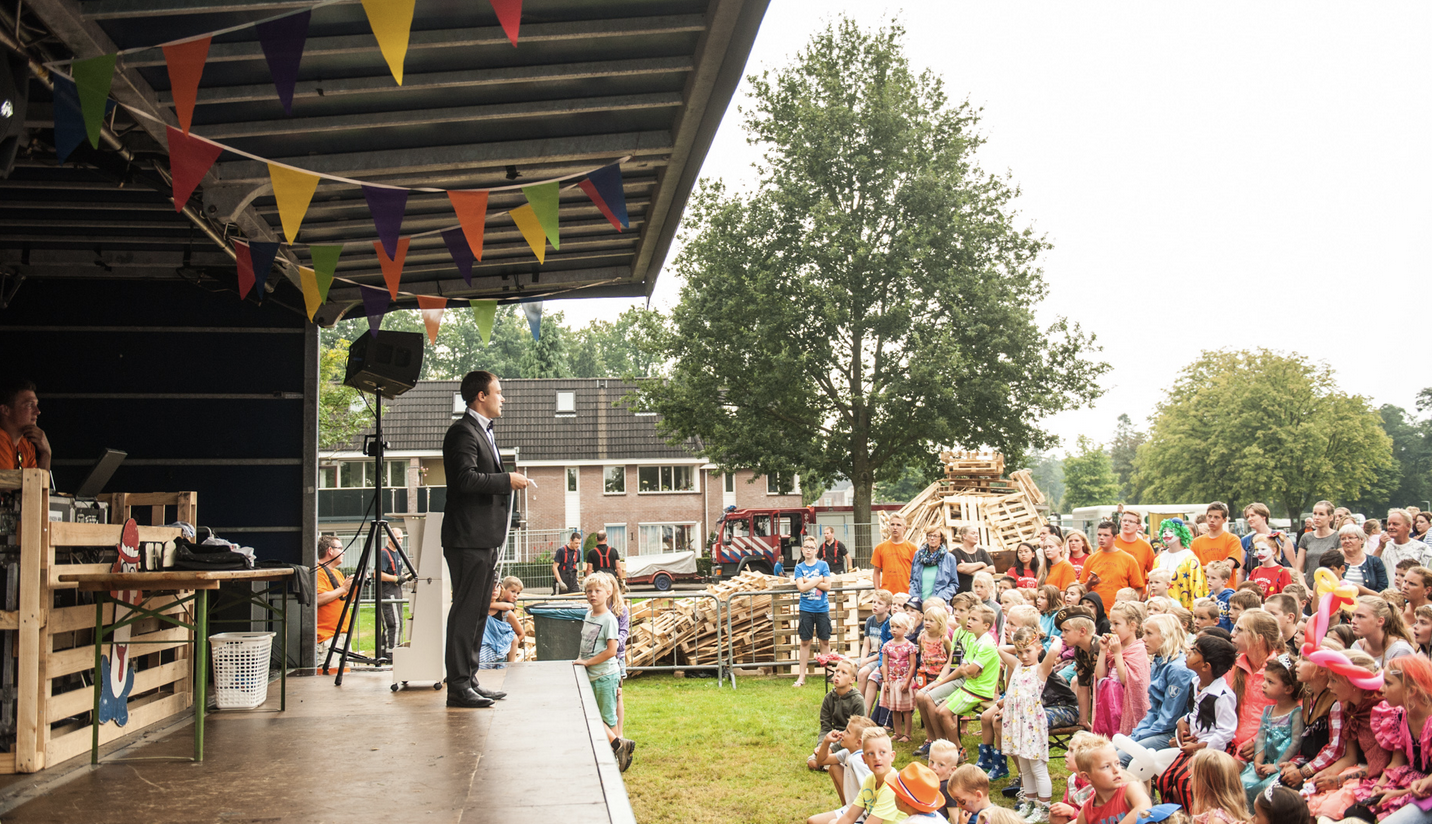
(1380, 630)
(1057, 569)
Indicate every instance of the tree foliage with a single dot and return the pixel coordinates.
(873, 297)
(1262, 426)
(1047, 471)
(912, 481)
(1409, 480)
(340, 415)
(1122, 451)
(1089, 478)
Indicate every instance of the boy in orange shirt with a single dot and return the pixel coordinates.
(1130, 541)
(1219, 544)
(892, 559)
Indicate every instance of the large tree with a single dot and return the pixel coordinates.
(1409, 480)
(1122, 451)
(873, 297)
(1261, 426)
(1089, 478)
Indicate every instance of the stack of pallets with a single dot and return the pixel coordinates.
(974, 492)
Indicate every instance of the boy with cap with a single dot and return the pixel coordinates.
(917, 794)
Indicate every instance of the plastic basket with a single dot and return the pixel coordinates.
(241, 668)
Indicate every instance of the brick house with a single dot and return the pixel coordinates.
(597, 464)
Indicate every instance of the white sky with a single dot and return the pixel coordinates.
(1211, 174)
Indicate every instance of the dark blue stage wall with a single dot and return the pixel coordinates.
(204, 391)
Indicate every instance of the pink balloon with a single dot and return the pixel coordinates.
(1318, 626)
(1339, 663)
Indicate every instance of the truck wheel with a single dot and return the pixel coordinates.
(662, 582)
(758, 566)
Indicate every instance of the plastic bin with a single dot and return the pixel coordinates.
(241, 668)
(559, 630)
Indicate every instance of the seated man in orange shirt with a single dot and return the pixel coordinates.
(26, 446)
(1111, 569)
(331, 588)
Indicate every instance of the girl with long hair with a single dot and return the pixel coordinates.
(1257, 637)
(1218, 796)
(1400, 724)
(1076, 549)
(1380, 630)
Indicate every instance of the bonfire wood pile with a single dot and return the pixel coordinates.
(975, 492)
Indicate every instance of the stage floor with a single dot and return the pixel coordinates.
(356, 753)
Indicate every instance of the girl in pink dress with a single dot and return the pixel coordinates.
(896, 694)
(1400, 724)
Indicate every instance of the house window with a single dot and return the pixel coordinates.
(658, 538)
(352, 474)
(571, 479)
(328, 476)
(665, 479)
(779, 483)
(614, 480)
(566, 403)
(397, 474)
(730, 481)
(616, 538)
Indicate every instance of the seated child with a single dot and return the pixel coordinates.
(917, 794)
(980, 672)
(877, 632)
(1206, 614)
(841, 753)
(983, 586)
(503, 633)
(1126, 594)
(1212, 719)
(1158, 584)
(876, 799)
(970, 788)
(1243, 599)
(944, 760)
(839, 705)
(1115, 797)
(1077, 790)
(1218, 574)
(1217, 792)
(1280, 729)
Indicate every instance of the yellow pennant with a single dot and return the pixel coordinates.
(531, 228)
(309, 281)
(293, 190)
(392, 22)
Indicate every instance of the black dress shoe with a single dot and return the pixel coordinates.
(467, 698)
(495, 695)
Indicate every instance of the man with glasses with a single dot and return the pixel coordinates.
(331, 588)
(26, 446)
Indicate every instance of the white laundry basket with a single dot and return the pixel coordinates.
(241, 668)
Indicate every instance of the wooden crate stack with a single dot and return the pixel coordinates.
(975, 493)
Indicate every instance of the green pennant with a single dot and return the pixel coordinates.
(484, 311)
(544, 198)
(92, 79)
(325, 262)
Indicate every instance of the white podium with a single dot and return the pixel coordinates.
(420, 660)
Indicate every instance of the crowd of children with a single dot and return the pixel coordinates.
(1268, 679)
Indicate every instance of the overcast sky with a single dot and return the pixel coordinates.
(1210, 174)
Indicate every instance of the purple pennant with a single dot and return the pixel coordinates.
(386, 206)
(607, 183)
(69, 117)
(282, 41)
(375, 303)
(461, 252)
(262, 253)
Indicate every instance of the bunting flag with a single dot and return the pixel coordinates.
(509, 14)
(387, 205)
(186, 65)
(392, 22)
(69, 118)
(604, 187)
(531, 230)
(431, 309)
(325, 263)
(533, 311)
(483, 311)
(309, 281)
(282, 41)
(392, 266)
(461, 255)
(261, 255)
(92, 80)
(471, 208)
(246, 268)
(375, 304)
(189, 160)
(293, 190)
(543, 199)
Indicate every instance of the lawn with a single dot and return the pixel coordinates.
(709, 754)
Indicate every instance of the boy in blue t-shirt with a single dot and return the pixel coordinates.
(813, 582)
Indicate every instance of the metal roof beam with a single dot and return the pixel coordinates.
(120, 9)
(456, 287)
(496, 254)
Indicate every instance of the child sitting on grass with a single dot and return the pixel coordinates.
(944, 760)
(1077, 789)
(598, 653)
(1116, 798)
(839, 705)
(970, 788)
(848, 769)
(1217, 791)
(917, 794)
(875, 803)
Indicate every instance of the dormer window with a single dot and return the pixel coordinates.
(567, 403)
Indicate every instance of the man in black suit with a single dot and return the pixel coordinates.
(475, 523)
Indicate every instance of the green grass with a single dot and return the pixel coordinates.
(709, 754)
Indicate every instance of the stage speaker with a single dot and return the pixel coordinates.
(14, 100)
(386, 364)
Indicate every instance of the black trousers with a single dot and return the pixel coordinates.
(390, 614)
(473, 572)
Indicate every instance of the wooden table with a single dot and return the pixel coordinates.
(152, 583)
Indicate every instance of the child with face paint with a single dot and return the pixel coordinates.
(1188, 583)
(1269, 575)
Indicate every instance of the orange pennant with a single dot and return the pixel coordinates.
(471, 208)
(432, 311)
(186, 66)
(392, 267)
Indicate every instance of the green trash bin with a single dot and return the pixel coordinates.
(558, 627)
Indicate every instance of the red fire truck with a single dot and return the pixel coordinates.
(758, 538)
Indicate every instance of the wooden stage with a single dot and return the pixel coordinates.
(355, 753)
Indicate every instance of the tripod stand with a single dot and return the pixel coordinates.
(378, 531)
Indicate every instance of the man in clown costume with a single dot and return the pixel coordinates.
(1188, 582)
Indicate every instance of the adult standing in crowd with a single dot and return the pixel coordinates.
(833, 552)
(1257, 516)
(892, 559)
(26, 446)
(933, 572)
(1400, 544)
(1110, 569)
(1131, 540)
(1367, 572)
(1219, 544)
(390, 568)
(564, 565)
(1316, 541)
(475, 524)
(602, 558)
(971, 558)
(1421, 523)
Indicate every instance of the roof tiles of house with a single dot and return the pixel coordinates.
(600, 428)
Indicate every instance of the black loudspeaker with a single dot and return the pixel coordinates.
(386, 364)
(14, 100)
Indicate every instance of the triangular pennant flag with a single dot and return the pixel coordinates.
(509, 14)
(69, 118)
(392, 266)
(309, 281)
(483, 311)
(461, 255)
(186, 65)
(92, 80)
(533, 311)
(531, 230)
(392, 22)
(432, 311)
(262, 254)
(387, 205)
(293, 190)
(282, 41)
(471, 208)
(604, 187)
(375, 303)
(189, 160)
(544, 198)
(246, 268)
(325, 263)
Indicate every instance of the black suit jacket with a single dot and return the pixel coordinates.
(479, 493)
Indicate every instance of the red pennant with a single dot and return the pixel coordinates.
(432, 312)
(186, 66)
(509, 14)
(471, 208)
(189, 160)
(246, 268)
(392, 267)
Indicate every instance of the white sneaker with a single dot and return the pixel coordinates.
(1038, 813)
(1024, 807)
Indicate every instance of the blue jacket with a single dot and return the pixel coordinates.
(1170, 687)
(1374, 573)
(947, 578)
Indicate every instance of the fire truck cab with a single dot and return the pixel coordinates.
(758, 538)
